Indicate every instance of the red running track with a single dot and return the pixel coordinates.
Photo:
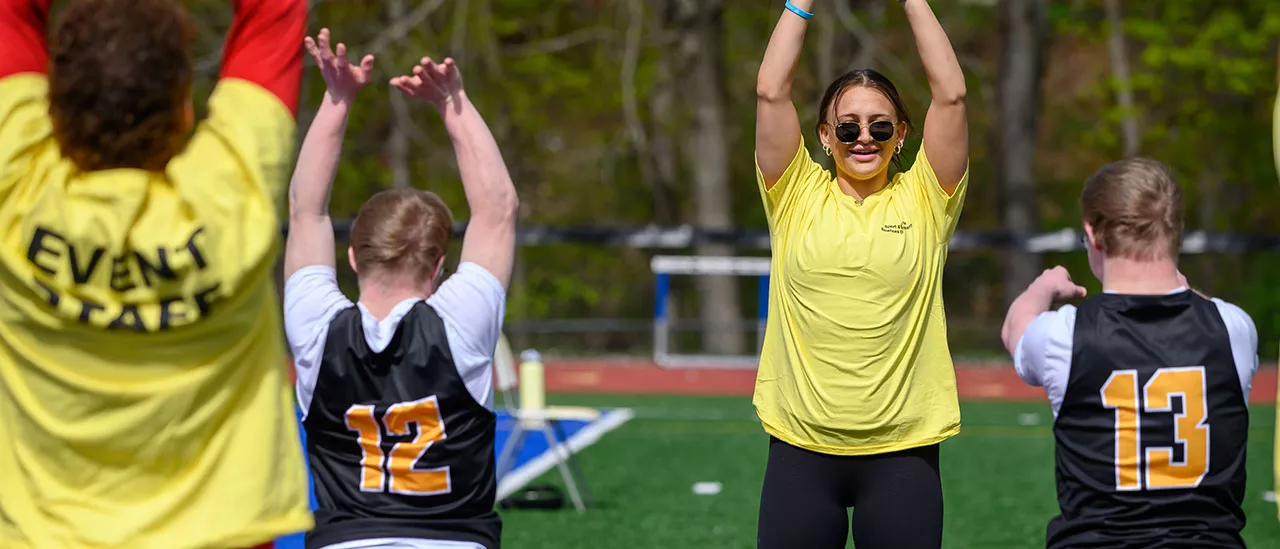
(974, 382)
(610, 376)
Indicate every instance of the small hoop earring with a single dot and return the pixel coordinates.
(898, 149)
(826, 150)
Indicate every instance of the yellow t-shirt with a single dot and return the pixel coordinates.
(145, 400)
(855, 358)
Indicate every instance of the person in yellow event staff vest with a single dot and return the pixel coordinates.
(145, 399)
(856, 386)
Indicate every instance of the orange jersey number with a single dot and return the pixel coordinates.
(1156, 465)
(398, 474)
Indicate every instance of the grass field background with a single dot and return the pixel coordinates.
(997, 479)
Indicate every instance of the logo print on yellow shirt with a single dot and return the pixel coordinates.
(899, 228)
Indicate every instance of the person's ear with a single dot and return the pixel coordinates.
(826, 134)
(1090, 239)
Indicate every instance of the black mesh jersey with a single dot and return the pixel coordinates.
(1150, 438)
(397, 445)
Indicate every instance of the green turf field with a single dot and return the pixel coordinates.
(997, 479)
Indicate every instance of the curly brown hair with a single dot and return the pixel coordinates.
(119, 82)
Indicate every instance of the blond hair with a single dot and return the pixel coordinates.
(1135, 208)
(401, 232)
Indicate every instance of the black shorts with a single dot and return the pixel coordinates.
(896, 499)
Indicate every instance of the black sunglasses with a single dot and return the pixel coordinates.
(881, 131)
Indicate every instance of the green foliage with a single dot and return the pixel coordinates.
(1204, 79)
(548, 77)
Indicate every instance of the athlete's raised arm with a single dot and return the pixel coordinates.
(1052, 286)
(946, 125)
(777, 123)
(23, 51)
(491, 196)
(236, 166)
(310, 240)
(23, 25)
(262, 46)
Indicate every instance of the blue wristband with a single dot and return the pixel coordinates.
(803, 14)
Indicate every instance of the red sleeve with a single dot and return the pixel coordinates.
(23, 24)
(265, 46)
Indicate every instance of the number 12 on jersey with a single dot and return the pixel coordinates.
(398, 475)
(1156, 465)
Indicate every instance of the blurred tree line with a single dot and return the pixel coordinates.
(637, 112)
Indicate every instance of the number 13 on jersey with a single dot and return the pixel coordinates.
(1156, 465)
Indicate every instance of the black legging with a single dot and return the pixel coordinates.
(897, 499)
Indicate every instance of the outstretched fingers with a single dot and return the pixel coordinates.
(319, 50)
(407, 84)
(399, 84)
(342, 56)
(342, 78)
(430, 80)
(312, 49)
(426, 76)
(427, 68)
(326, 51)
(432, 68)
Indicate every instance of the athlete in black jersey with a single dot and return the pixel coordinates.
(1148, 381)
(397, 390)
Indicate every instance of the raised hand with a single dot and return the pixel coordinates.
(1057, 281)
(342, 79)
(439, 83)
